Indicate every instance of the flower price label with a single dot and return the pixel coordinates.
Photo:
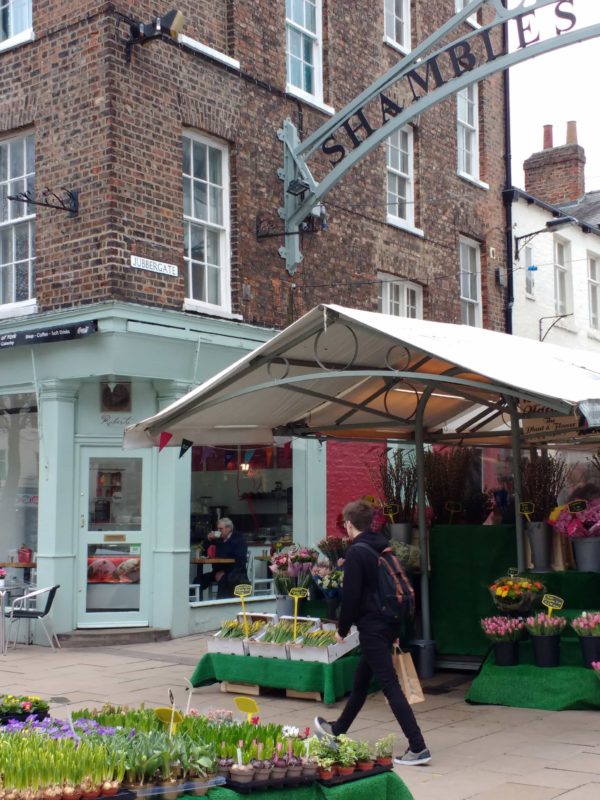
(454, 507)
(527, 508)
(243, 590)
(551, 601)
(297, 592)
(577, 506)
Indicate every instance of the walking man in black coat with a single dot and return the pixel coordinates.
(376, 637)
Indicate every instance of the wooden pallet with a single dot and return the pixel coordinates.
(255, 690)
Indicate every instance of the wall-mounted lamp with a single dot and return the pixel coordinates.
(551, 225)
(297, 187)
(171, 24)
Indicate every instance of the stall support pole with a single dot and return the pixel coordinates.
(423, 649)
(515, 433)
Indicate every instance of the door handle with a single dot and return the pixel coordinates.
(82, 523)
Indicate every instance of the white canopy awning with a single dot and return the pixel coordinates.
(362, 375)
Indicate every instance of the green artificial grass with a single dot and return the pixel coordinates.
(568, 686)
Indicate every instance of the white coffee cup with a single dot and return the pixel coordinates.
(216, 534)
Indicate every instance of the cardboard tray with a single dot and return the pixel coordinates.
(236, 647)
(326, 655)
(256, 647)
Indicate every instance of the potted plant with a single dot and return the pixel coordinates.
(364, 758)
(505, 633)
(21, 706)
(516, 594)
(545, 631)
(587, 628)
(384, 749)
(395, 479)
(543, 478)
(579, 522)
(446, 475)
(346, 755)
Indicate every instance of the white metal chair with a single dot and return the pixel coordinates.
(259, 585)
(26, 607)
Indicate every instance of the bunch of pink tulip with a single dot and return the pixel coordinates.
(588, 624)
(502, 629)
(545, 625)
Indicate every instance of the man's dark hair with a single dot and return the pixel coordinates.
(359, 513)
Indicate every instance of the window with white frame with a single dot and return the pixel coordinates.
(397, 23)
(594, 290)
(206, 221)
(468, 131)
(530, 271)
(400, 177)
(304, 47)
(561, 276)
(400, 298)
(15, 20)
(470, 283)
(17, 220)
(460, 4)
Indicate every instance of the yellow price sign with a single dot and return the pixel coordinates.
(243, 590)
(527, 508)
(577, 506)
(551, 601)
(297, 592)
(512, 572)
(453, 506)
(391, 510)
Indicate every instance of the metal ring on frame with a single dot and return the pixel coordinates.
(286, 371)
(349, 364)
(391, 389)
(407, 355)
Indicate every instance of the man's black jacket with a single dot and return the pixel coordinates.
(360, 584)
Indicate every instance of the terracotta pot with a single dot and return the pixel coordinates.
(309, 771)
(364, 766)
(294, 771)
(324, 774)
(278, 773)
(241, 776)
(384, 762)
(262, 774)
(345, 770)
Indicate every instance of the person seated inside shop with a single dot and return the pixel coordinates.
(226, 543)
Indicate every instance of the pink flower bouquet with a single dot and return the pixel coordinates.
(503, 629)
(543, 624)
(588, 624)
(575, 525)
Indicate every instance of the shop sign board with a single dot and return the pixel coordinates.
(544, 421)
(154, 266)
(59, 333)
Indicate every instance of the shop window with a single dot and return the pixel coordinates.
(19, 457)
(15, 22)
(397, 23)
(594, 290)
(304, 46)
(468, 132)
(206, 223)
(400, 298)
(473, 19)
(17, 223)
(470, 283)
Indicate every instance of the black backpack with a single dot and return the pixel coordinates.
(394, 596)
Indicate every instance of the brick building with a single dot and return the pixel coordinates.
(159, 280)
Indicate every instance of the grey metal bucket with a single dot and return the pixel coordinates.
(423, 653)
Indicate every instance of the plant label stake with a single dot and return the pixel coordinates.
(243, 590)
(247, 706)
(577, 506)
(453, 506)
(527, 509)
(512, 572)
(297, 592)
(391, 510)
(551, 601)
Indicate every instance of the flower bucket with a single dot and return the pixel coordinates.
(506, 654)
(587, 553)
(401, 531)
(540, 541)
(546, 650)
(590, 649)
(284, 606)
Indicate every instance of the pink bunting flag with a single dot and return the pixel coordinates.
(164, 439)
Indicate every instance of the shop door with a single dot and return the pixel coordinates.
(114, 558)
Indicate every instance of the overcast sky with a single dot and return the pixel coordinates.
(555, 88)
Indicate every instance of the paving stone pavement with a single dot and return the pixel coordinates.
(479, 752)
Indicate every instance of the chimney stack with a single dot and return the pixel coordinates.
(556, 175)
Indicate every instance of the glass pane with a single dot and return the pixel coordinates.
(6, 286)
(197, 243)
(187, 148)
(16, 209)
(311, 17)
(216, 205)
(3, 202)
(593, 269)
(22, 281)
(4, 24)
(21, 242)
(3, 163)
(30, 154)
(214, 293)
(198, 286)
(214, 162)
(213, 248)
(6, 251)
(113, 577)
(199, 162)
(115, 494)
(21, 15)
(187, 197)
(16, 165)
(200, 207)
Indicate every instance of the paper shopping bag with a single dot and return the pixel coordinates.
(407, 675)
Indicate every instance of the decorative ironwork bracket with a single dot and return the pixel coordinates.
(67, 200)
(270, 229)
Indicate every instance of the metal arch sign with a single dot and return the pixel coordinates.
(426, 76)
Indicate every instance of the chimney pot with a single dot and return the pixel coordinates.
(548, 137)
(572, 132)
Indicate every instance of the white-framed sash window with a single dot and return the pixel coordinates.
(400, 298)
(470, 283)
(397, 24)
(304, 49)
(594, 290)
(467, 100)
(562, 276)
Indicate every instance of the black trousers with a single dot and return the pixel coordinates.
(376, 660)
(223, 589)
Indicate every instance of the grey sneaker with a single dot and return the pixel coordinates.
(410, 759)
(323, 728)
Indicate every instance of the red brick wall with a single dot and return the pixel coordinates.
(350, 466)
(112, 128)
(556, 175)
